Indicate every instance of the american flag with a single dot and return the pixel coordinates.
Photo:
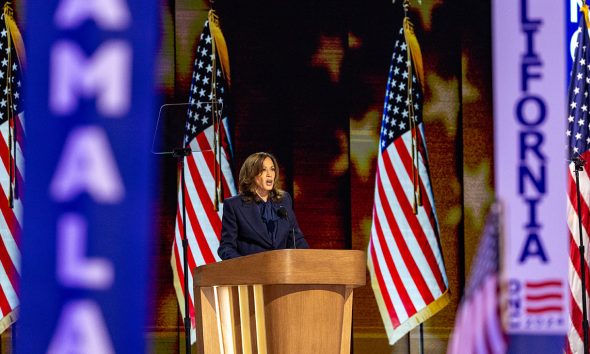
(11, 173)
(478, 328)
(578, 142)
(207, 170)
(404, 255)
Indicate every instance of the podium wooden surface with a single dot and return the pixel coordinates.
(278, 302)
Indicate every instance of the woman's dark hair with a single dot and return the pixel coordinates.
(251, 168)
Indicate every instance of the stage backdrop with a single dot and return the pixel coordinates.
(308, 85)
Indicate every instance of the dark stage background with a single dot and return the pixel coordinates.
(308, 83)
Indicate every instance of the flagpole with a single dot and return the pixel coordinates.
(421, 338)
(10, 115)
(579, 166)
(415, 136)
(181, 154)
(13, 338)
(414, 133)
(216, 119)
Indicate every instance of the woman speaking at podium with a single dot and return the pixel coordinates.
(260, 218)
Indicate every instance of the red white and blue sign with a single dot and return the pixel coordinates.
(530, 162)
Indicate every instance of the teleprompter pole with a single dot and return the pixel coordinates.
(181, 154)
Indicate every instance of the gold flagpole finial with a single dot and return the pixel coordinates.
(584, 10)
(7, 8)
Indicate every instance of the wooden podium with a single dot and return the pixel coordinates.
(278, 302)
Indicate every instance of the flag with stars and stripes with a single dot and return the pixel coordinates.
(207, 169)
(12, 171)
(578, 137)
(404, 255)
(478, 325)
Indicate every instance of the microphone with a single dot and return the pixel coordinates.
(283, 214)
(578, 161)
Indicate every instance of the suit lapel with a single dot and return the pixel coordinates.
(255, 221)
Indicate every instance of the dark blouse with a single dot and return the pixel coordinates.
(269, 217)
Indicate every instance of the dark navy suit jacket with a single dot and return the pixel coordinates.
(244, 233)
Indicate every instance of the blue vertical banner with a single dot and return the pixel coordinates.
(89, 102)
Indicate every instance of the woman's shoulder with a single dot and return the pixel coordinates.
(234, 200)
(284, 196)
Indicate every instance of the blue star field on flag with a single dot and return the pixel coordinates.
(10, 78)
(201, 97)
(395, 110)
(578, 100)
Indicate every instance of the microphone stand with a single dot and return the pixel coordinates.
(282, 212)
(579, 166)
(181, 154)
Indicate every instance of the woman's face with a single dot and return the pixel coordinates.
(265, 179)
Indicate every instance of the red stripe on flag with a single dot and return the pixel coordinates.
(575, 310)
(383, 289)
(428, 208)
(8, 214)
(575, 260)
(5, 156)
(208, 205)
(198, 232)
(7, 263)
(209, 157)
(412, 218)
(405, 252)
(397, 281)
(583, 203)
(567, 349)
(4, 304)
(407, 161)
(5, 259)
(576, 317)
(416, 229)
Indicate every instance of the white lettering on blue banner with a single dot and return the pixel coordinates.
(87, 227)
